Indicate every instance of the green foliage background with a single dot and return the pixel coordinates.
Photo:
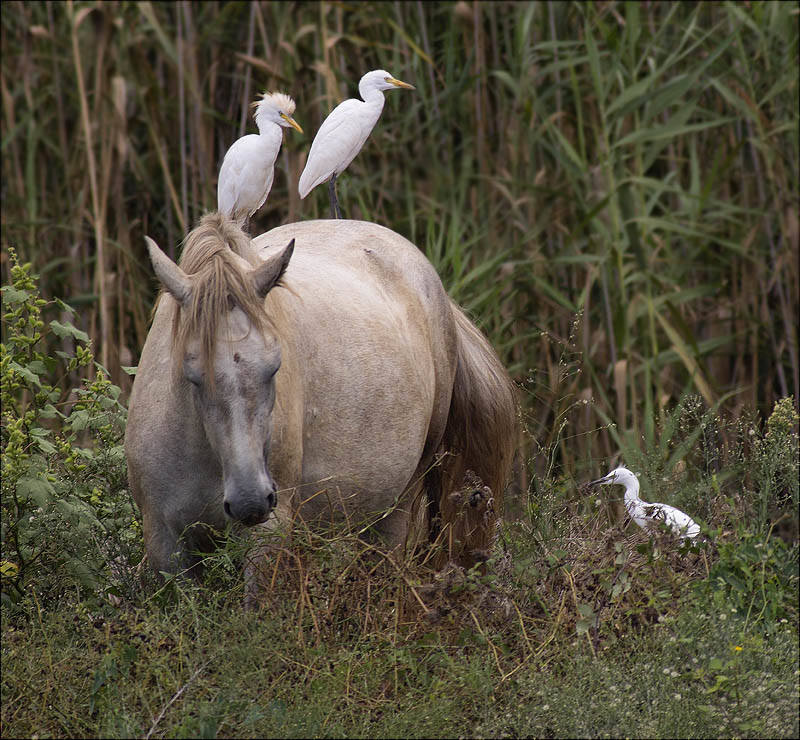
(610, 189)
(632, 166)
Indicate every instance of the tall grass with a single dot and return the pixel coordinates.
(576, 626)
(632, 167)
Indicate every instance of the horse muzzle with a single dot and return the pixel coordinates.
(250, 508)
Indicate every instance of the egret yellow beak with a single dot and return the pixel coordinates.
(294, 124)
(400, 83)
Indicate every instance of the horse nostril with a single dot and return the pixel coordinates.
(227, 507)
(272, 501)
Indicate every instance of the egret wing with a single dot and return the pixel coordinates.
(339, 139)
(245, 177)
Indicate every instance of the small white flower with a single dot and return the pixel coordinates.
(677, 697)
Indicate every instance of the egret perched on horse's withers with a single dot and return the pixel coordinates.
(248, 168)
(334, 382)
(644, 514)
(343, 133)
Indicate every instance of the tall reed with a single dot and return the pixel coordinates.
(610, 189)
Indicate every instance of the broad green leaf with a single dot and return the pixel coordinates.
(64, 306)
(14, 295)
(68, 330)
(29, 376)
(78, 420)
(38, 490)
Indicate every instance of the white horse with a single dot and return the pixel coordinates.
(329, 377)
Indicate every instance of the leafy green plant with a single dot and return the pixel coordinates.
(757, 577)
(65, 514)
(776, 464)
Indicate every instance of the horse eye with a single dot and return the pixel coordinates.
(269, 372)
(193, 376)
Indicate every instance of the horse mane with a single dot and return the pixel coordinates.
(219, 283)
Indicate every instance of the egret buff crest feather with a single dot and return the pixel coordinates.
(357, 390)
(248, 169)
(277, 100)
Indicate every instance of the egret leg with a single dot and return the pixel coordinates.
(336, 212)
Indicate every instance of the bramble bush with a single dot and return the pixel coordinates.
(67, 520)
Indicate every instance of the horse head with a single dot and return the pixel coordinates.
(226, 355)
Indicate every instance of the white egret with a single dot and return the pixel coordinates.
(644, 514)
(248, 169)
(343, 133)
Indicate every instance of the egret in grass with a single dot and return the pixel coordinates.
(343, 133)
(644, 514)
(248, 169)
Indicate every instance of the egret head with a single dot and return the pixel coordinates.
(618, 476)
(380, 79)
(275, 108)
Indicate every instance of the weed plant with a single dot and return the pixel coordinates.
(610, 189)
(67, 519)
(578, 624)
(637, 164)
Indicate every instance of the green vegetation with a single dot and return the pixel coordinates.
(571, 612)
(611, 191)
(634, 166)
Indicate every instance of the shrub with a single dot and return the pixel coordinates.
(65, 515)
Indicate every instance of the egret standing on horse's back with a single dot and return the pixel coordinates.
(248, 169)
(343, 133)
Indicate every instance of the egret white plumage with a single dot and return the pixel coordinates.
(644, 514)
(343, 133)
(248, 168)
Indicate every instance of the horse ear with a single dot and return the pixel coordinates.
(174, 280)
(267, 275)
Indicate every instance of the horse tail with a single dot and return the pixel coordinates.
(465, 489)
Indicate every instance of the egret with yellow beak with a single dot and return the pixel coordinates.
(248, 169)
(343, 133)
